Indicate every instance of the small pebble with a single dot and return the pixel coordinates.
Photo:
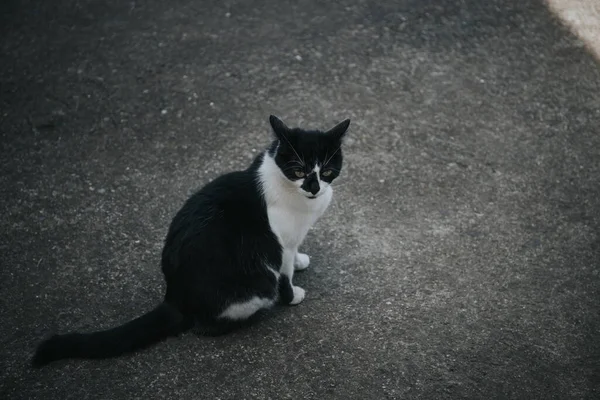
(227, 15)
(163, 112)
(298, 57)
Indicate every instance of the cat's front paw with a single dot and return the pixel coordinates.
(301, 261)
(299, 294)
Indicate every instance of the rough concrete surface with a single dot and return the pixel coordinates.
(460, 258)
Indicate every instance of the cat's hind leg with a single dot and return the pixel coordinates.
(215, 328)
(237, 315)
(243, 310)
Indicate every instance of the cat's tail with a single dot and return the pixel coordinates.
(158, 324)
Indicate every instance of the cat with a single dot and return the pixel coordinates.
(232, 249)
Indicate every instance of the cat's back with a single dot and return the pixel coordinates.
(219, 223)
(234, 196)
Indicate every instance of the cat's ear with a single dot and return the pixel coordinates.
(278, 126)
(339, 131)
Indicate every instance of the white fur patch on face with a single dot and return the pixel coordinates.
(277, 188)
(322, 185)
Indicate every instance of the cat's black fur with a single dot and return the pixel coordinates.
(215, 254)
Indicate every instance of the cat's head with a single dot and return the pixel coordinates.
(310, 160)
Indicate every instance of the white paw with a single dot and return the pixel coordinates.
(299, 294)
(301, 261)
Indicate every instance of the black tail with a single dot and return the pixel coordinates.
(156, 325)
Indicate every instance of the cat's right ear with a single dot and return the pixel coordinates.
(279, 127)
(339, 131)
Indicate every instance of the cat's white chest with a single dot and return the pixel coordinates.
(291, 214)
(291, 221)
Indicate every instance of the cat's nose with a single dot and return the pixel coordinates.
(314, 187)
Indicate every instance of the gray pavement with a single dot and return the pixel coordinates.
(460, 258)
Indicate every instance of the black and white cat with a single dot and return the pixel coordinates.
(232, 249)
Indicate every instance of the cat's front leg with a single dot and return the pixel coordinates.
(301, 261)
(288, 293)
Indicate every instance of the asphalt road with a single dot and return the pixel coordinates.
(460, 258)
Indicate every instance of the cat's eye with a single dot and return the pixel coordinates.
(326, 172)
(299, 174)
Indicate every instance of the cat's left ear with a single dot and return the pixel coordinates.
(278, 126)
(339, 131)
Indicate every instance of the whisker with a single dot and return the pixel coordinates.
(288, 168)
(329, 159)
(293, 161)
(290, 143)
(338, 181)
(341, 180)
(338, 187)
